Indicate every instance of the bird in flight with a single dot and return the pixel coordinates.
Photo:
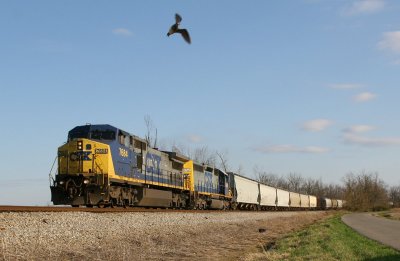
(175, 29)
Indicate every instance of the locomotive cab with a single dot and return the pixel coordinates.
(84, 163)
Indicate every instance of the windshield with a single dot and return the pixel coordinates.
(79, 132)
(88, 132)
(102, 134)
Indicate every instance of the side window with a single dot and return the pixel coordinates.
(126, 141)
(123, 139)
(139, 146)
(139, 161)
(120, 138)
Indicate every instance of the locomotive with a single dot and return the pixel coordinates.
(101, 165)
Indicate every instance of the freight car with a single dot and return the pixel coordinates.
(267, 197)
(295, 201)
(313, 202)
(334, 203)
(282, 199)
(246, 192)
(324, 203)
(304, 201)
(101, 165)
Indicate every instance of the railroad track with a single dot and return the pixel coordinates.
(94, 209)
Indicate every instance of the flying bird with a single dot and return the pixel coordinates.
(175, 29)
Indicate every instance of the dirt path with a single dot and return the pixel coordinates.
(380, 229)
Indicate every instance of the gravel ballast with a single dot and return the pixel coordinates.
(140, 236)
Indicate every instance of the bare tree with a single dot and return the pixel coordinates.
(239, 169)
(311, 186)
(295, 180)
(151, 132)
(202, 155)
(270, 179)
(333, 191)
(394, 195)
(178, 148)
(223, 160)
(365, 191)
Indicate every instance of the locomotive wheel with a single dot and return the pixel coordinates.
(101, 204)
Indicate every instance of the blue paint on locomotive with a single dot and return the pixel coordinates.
(153, 163)
(205, 183)
(208, 182)
(123, 162)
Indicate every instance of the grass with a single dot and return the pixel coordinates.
(327, 240)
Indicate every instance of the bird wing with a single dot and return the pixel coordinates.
(185, 35)
(178, 18)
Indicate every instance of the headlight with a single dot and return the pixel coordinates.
(86, 181)
(61, 182)
(79, 145)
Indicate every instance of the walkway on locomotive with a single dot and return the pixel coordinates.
(132, 160)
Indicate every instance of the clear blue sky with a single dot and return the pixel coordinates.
(302, 86)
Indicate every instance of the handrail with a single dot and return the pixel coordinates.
(51, 170)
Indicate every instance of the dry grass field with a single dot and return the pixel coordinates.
(145, 236)
(393, 213)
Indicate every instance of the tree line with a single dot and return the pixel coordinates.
(363, 191)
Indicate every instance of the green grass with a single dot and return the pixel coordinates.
(328, 240)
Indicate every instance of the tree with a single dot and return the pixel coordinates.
(394, 195)
(312, 186)
(270, 179)
(365, 192)
(202, 155)
(295, 181)
(333, 191)
(223, 160)
(239, 170)
(151, 132)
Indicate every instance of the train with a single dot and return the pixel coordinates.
(104, 166)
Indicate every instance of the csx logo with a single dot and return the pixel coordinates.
(79, 155)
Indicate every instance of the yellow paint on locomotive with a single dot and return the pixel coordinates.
(85, 157)
(189, 175)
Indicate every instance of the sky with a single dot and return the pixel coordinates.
(307, 86)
